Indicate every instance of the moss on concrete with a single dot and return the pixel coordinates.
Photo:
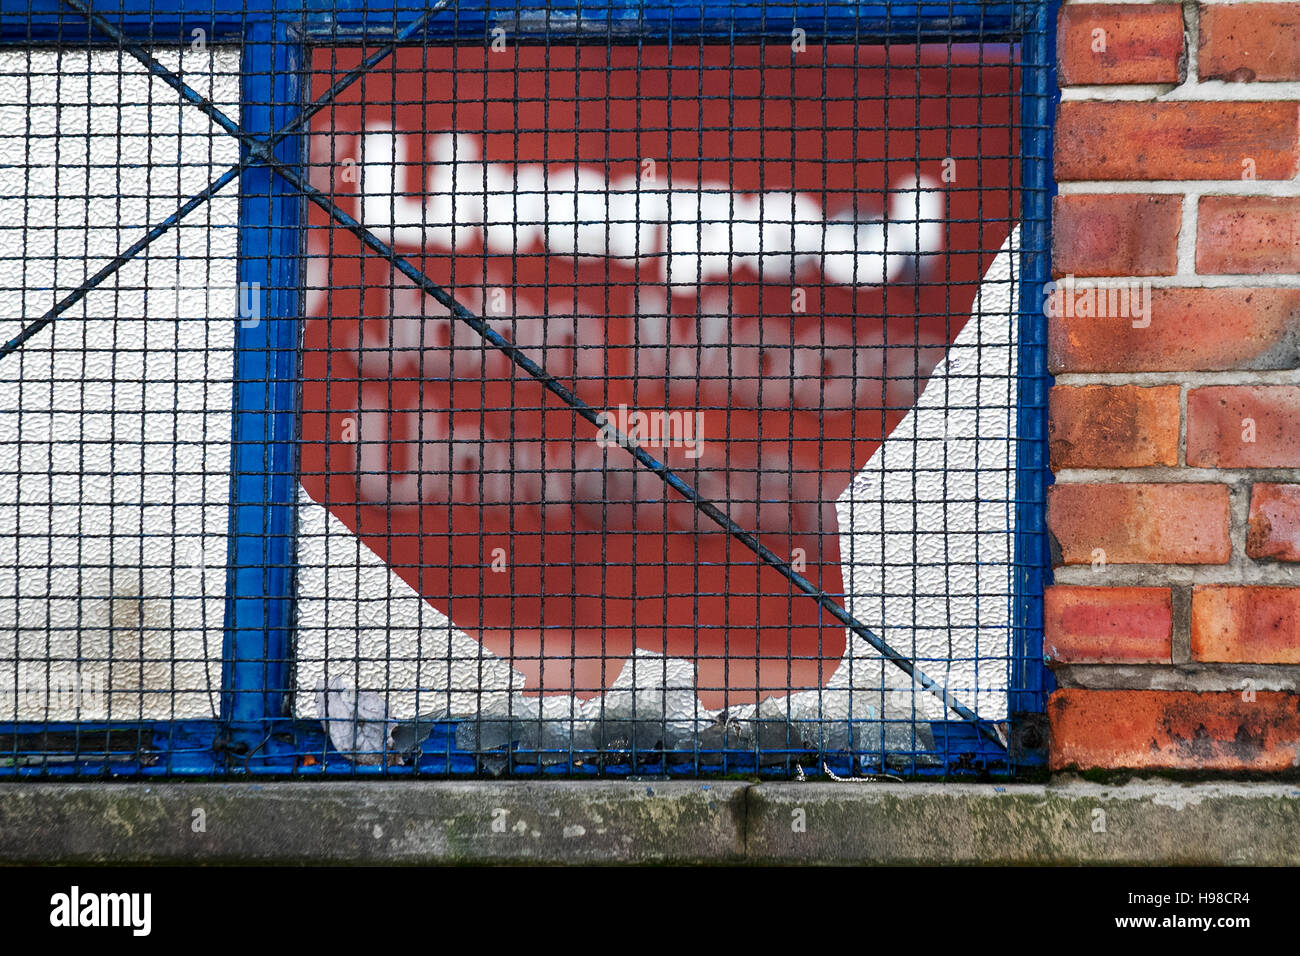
(410, 822)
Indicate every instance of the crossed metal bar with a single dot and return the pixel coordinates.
(260, 150)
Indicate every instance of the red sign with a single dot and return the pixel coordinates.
(749, 259)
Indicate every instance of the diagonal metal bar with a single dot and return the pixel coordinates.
(262, 150)
(188, 93)
(259, 147)
(366, 65)
(590, 414)
(121, 259)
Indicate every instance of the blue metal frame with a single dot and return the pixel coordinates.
(255, 732)
(1031, 681)
(257, 663)
(162, 21)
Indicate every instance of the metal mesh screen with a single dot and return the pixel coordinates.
(556, 392)
(114, 420)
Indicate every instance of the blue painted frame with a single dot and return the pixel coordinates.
(257, 662)
(29, 22)
(255, 732)
(1031, 681)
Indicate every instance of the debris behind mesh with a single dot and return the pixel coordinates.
(651, 706)
(356, 721)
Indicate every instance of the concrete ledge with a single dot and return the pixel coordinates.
(649, 822)
(364, 822)
(1140, 823)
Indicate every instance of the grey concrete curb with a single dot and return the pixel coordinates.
(380, 822)
(649, 822)
(1145, 823)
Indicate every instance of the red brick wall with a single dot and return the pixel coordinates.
(1174, 625)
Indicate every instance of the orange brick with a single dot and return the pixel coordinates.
(1121, 426)
(1175, 730)
(1143, 44)
(1190, 330)
(1136, 523)
(1107, 625)
(1246, 625)
(1274, 527)
(1243, 426)
(1248, 234)
(1250, 41)
(1112, 235)
(1106, 140)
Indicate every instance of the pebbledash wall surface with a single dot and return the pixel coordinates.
(1173, 623)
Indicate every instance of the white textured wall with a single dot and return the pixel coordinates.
(926, 530)
(361, 623)
(114, 423)
(927, 527)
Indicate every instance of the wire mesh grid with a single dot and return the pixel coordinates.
(114, 421)
(543, 399)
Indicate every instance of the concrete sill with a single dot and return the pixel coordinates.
(724, 822)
